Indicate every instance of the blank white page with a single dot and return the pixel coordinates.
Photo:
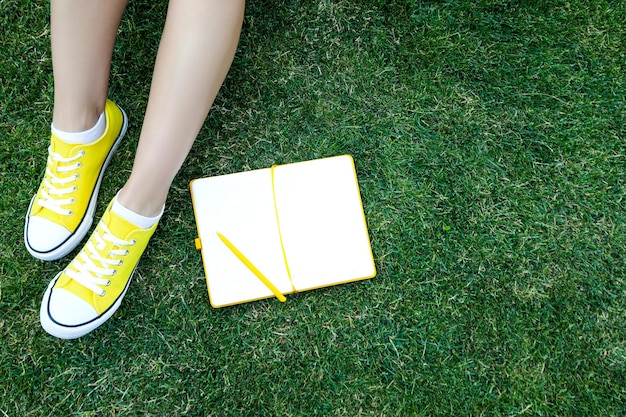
(322, 222)
(241, 207)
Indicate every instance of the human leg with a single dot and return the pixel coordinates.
(196, 50)
(86, 127)
(82, 35)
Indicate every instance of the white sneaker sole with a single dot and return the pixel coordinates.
(72, 332)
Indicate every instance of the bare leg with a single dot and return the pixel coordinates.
(197, 48)
(61, 212)
(83, 34)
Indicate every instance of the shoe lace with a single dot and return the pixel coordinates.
(51, 193)
(85, 270)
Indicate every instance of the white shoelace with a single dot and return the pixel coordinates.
(84, 269)
(50, 195)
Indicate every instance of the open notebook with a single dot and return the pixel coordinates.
(281, 230)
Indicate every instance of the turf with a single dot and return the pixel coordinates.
(489, 143)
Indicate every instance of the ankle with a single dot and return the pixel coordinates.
(143, 222)
(86, 136)
(145, 206)
(70, 121)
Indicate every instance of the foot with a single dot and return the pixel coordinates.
(61, 212)
(91, 288)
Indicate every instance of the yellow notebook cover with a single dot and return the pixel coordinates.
(279, 230)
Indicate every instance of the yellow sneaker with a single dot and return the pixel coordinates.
(91, 288)
(61, 212)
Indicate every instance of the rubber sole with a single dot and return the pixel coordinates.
(75, 331)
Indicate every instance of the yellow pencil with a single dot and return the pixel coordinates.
(251, 267)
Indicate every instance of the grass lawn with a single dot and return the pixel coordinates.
(488, 137)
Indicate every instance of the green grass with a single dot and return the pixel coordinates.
(489, 143)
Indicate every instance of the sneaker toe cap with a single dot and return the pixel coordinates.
(68, 309)
(44, 235)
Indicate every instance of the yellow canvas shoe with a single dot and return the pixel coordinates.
(61, 212)
(91, 288)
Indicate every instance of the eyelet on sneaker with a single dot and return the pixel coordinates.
(72, 200)
(108, 283)
(81, 153)
(132, 242)
(114, 272)
(120, 262)
(126, 251)
(103, 293)
(70, 213)
(74, 188)
(79, 165)
(76, 176)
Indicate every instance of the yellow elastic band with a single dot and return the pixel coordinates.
(280, 235)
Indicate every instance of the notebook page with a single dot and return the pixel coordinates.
(241, 207)
(322, 222)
